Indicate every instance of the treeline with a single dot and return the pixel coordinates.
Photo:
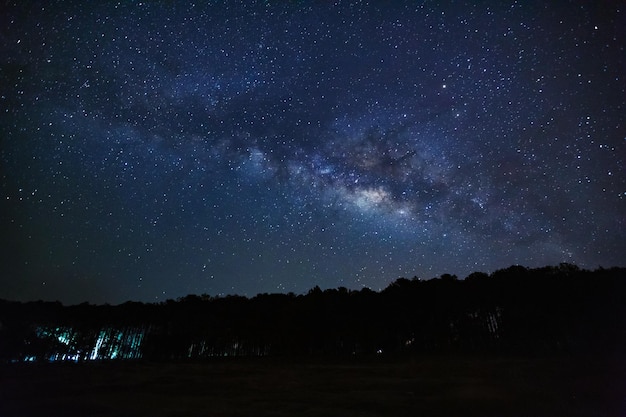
(517, 310)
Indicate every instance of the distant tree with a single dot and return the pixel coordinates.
(448, 278)
(518, 310)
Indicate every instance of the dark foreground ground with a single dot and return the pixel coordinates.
(425, 386)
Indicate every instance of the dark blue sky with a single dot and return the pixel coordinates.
(152, 150)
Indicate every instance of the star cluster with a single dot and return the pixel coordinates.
(152, 149)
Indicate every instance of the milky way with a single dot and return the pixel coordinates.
(152, 150)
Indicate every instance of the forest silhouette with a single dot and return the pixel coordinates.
(551, 310)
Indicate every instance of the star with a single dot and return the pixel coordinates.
(150, 151)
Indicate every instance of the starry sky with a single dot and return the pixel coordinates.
(150, 150)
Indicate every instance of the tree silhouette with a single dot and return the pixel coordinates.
(555, 309)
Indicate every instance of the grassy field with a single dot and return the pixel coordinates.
(425, 386)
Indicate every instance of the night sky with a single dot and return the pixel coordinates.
(150, 150)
